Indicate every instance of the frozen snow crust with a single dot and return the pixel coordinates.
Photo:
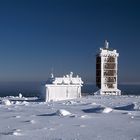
(87, 118)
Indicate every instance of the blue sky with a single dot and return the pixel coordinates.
(37, 36)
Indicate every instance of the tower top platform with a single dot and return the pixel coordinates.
(107, 51)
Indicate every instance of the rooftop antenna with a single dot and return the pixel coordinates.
(106, 44)
(71, 74)
(52, 75)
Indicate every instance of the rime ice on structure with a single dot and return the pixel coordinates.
(62, 88)
(106, 71)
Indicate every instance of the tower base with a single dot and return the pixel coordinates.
(111, 92)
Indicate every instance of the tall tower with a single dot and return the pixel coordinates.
(106, 71)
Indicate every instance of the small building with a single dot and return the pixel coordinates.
(106, 71)
(62, 88)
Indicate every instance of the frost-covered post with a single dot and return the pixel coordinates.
(106, 71)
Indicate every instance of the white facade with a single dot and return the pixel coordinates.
(62, 88)
(106, 71)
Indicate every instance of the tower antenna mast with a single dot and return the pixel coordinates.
(106, 44)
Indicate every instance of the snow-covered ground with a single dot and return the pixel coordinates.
(88, 118)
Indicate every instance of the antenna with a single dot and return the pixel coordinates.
(106, 44)
(52, 75)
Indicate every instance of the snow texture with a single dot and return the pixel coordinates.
(87, 118)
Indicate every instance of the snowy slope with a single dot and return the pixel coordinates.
(88, 118)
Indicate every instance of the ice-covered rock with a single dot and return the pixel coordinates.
(107, 110)
(63, 112)
(6, 102)
(17, 132)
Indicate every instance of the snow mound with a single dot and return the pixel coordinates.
(25, 103)
(6, 102)
(33, 121)
(85, 117)
(18, 117)
(137, 106)
(99, 109)
(107, 110)
(63, 112)
(17, 132)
